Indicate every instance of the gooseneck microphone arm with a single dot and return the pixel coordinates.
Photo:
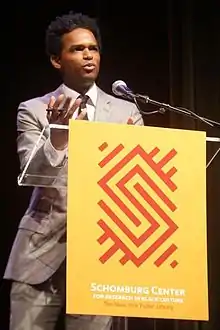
(183, 111)
(120, 88)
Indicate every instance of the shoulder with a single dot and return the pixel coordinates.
(116, 101)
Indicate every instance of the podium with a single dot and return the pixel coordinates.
(136, 219)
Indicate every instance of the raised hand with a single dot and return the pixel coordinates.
(61, 116)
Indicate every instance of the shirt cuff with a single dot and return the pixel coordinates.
(54, 156)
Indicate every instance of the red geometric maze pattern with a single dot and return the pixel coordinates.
(152, 225)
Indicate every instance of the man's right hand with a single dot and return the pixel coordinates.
(61, 116)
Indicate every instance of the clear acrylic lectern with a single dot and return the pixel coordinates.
(48, 176)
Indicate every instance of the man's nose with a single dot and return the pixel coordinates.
(87, 54)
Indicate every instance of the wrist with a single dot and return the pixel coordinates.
(58, 145)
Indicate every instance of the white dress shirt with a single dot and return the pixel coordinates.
(90, 105)
(55, 157)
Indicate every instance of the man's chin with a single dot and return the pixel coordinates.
(89, 77)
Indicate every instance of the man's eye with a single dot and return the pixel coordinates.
(96, 48)
(79, 48)
(76, 49)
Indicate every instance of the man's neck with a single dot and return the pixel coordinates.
(81, 89)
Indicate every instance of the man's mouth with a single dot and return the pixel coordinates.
(89, 66)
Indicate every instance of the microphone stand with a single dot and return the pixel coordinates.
(163, 107)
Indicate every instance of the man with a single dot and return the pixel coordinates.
(36, 265)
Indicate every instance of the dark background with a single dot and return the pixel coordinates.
(167, 49)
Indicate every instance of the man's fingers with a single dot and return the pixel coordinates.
(63, 111)
(51, 102)
(130, 121)
(53, 106)
(54, 103)
(82, 115)
(50, 108)
(63, 116)
(72, 109)
(58, 101)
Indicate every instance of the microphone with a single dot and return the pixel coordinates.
(120, 88)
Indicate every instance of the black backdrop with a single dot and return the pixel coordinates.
(169, 50)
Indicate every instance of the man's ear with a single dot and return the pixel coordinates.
(55, 60)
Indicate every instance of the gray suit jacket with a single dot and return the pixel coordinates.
(40, 244)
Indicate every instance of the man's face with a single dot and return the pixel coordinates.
(80, 57)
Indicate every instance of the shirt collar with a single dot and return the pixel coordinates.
(92, 93)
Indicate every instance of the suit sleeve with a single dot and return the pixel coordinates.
(33, 142)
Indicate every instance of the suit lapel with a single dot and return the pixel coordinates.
(103, 107)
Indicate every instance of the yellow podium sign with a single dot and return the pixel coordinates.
(136, 221)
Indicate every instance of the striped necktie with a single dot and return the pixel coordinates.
(82, 106)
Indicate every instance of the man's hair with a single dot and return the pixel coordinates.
(65, 24)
